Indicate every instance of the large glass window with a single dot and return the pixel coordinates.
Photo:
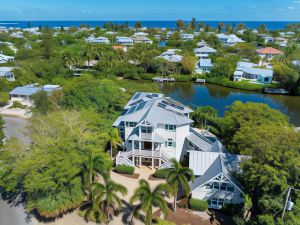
(170, 142)
(223, 186)
(146, 130)
(216, 186)
(131, 124)
(230, 187)
(170, 127)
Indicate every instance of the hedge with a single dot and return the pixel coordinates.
(4, 98)
(242, 85)
(182, 78)
(124, 169)
(160, 173)
(198, 205)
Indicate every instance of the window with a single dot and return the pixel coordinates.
(136, 145)
(220, 201)
(230, 187)
(146, 130)
(216, 186)
(209, 185)
(214, 201)
(170, 142)
(223, 186)
(170, 127)
(131, 124)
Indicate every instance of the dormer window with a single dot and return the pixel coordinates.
(170, 127)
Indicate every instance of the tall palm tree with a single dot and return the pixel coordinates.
(114, 140)
(106, 198)
(247, 206)
(179, 176)
(148, 198)
(93, 166)
(69, 58)
(89, 53)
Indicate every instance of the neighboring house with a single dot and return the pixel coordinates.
(6, 58)
(204, 52)
(229, 40)
(282, 42)
(268, 52)
(119, 47)
(23, 94)
(140, 34)
(247, 71)
(6, 72)
(18, 34)
(124, 40)
(268, 39)
(201, 43)
(97, 40)
(156, 129)
(203, 66)
(186, 37)
(171, 56)
(142, 39)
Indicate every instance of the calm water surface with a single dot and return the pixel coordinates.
(221, 97)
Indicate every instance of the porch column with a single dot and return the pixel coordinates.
(159, 164)
(140, 148)
(152, 148)
(133, 152)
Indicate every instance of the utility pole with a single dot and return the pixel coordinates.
(286, 201)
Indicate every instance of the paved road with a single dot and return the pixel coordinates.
(11, 215)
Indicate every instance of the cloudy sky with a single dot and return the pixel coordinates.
(250, 10)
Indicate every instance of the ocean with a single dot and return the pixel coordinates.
(271, 25)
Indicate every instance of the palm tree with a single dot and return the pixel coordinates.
(178, 176)
(93, 166)
(247, 206)
(89, 53)
(220, 27)
(114, 140)
(69, 58)
(106, 198)
(148, 198)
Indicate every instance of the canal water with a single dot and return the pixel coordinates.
(221, 97)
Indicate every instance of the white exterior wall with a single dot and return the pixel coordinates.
(181, 133)
(160, 130)
(202, 193)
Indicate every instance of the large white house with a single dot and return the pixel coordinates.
(97, 40)
(6, 58)
(6, 72)
(229, 40)
(204, 52)
(203, 66)
(124, 40)
(248, 71)
(156, 129)
(171, 55)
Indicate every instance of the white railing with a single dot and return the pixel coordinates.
(123, 160)
(166, 165)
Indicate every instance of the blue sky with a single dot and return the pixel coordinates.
(273, 10)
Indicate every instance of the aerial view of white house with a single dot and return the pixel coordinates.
(6, 58)
(204, 52)
(203, 66)
(142, 39)
(171, 55)
(23, 94)
(6, 72)
(124, 40)
(97, 40)
(248, 71)
(229, 40)
(156, 129)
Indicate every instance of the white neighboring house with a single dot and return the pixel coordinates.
(171, 56)
(23, 94)
(6, 58)
(247, 71)
(204, 52)
(201, 43)
(124, 40)
(187, 37)
(97, 40)
(156, 129)
(142, 39)
(6, 72)
(18, 34)
(229, 40)
(140, 34)
(203, 66)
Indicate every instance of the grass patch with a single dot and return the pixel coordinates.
(198, 205)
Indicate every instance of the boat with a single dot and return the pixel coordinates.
(279, 91)
(163, 79)
(200, 81)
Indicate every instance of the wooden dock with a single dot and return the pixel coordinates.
(163, 79)
(200, 81)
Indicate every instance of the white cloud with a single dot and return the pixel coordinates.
(291, 7)
(296, 1)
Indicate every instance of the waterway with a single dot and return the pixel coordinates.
(221, 97)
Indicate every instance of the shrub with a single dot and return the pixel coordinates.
(3, 98)
(198, 205)
(182, 78)
(124, 169)
(17, 105)
(243, 85)
(160, 173)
